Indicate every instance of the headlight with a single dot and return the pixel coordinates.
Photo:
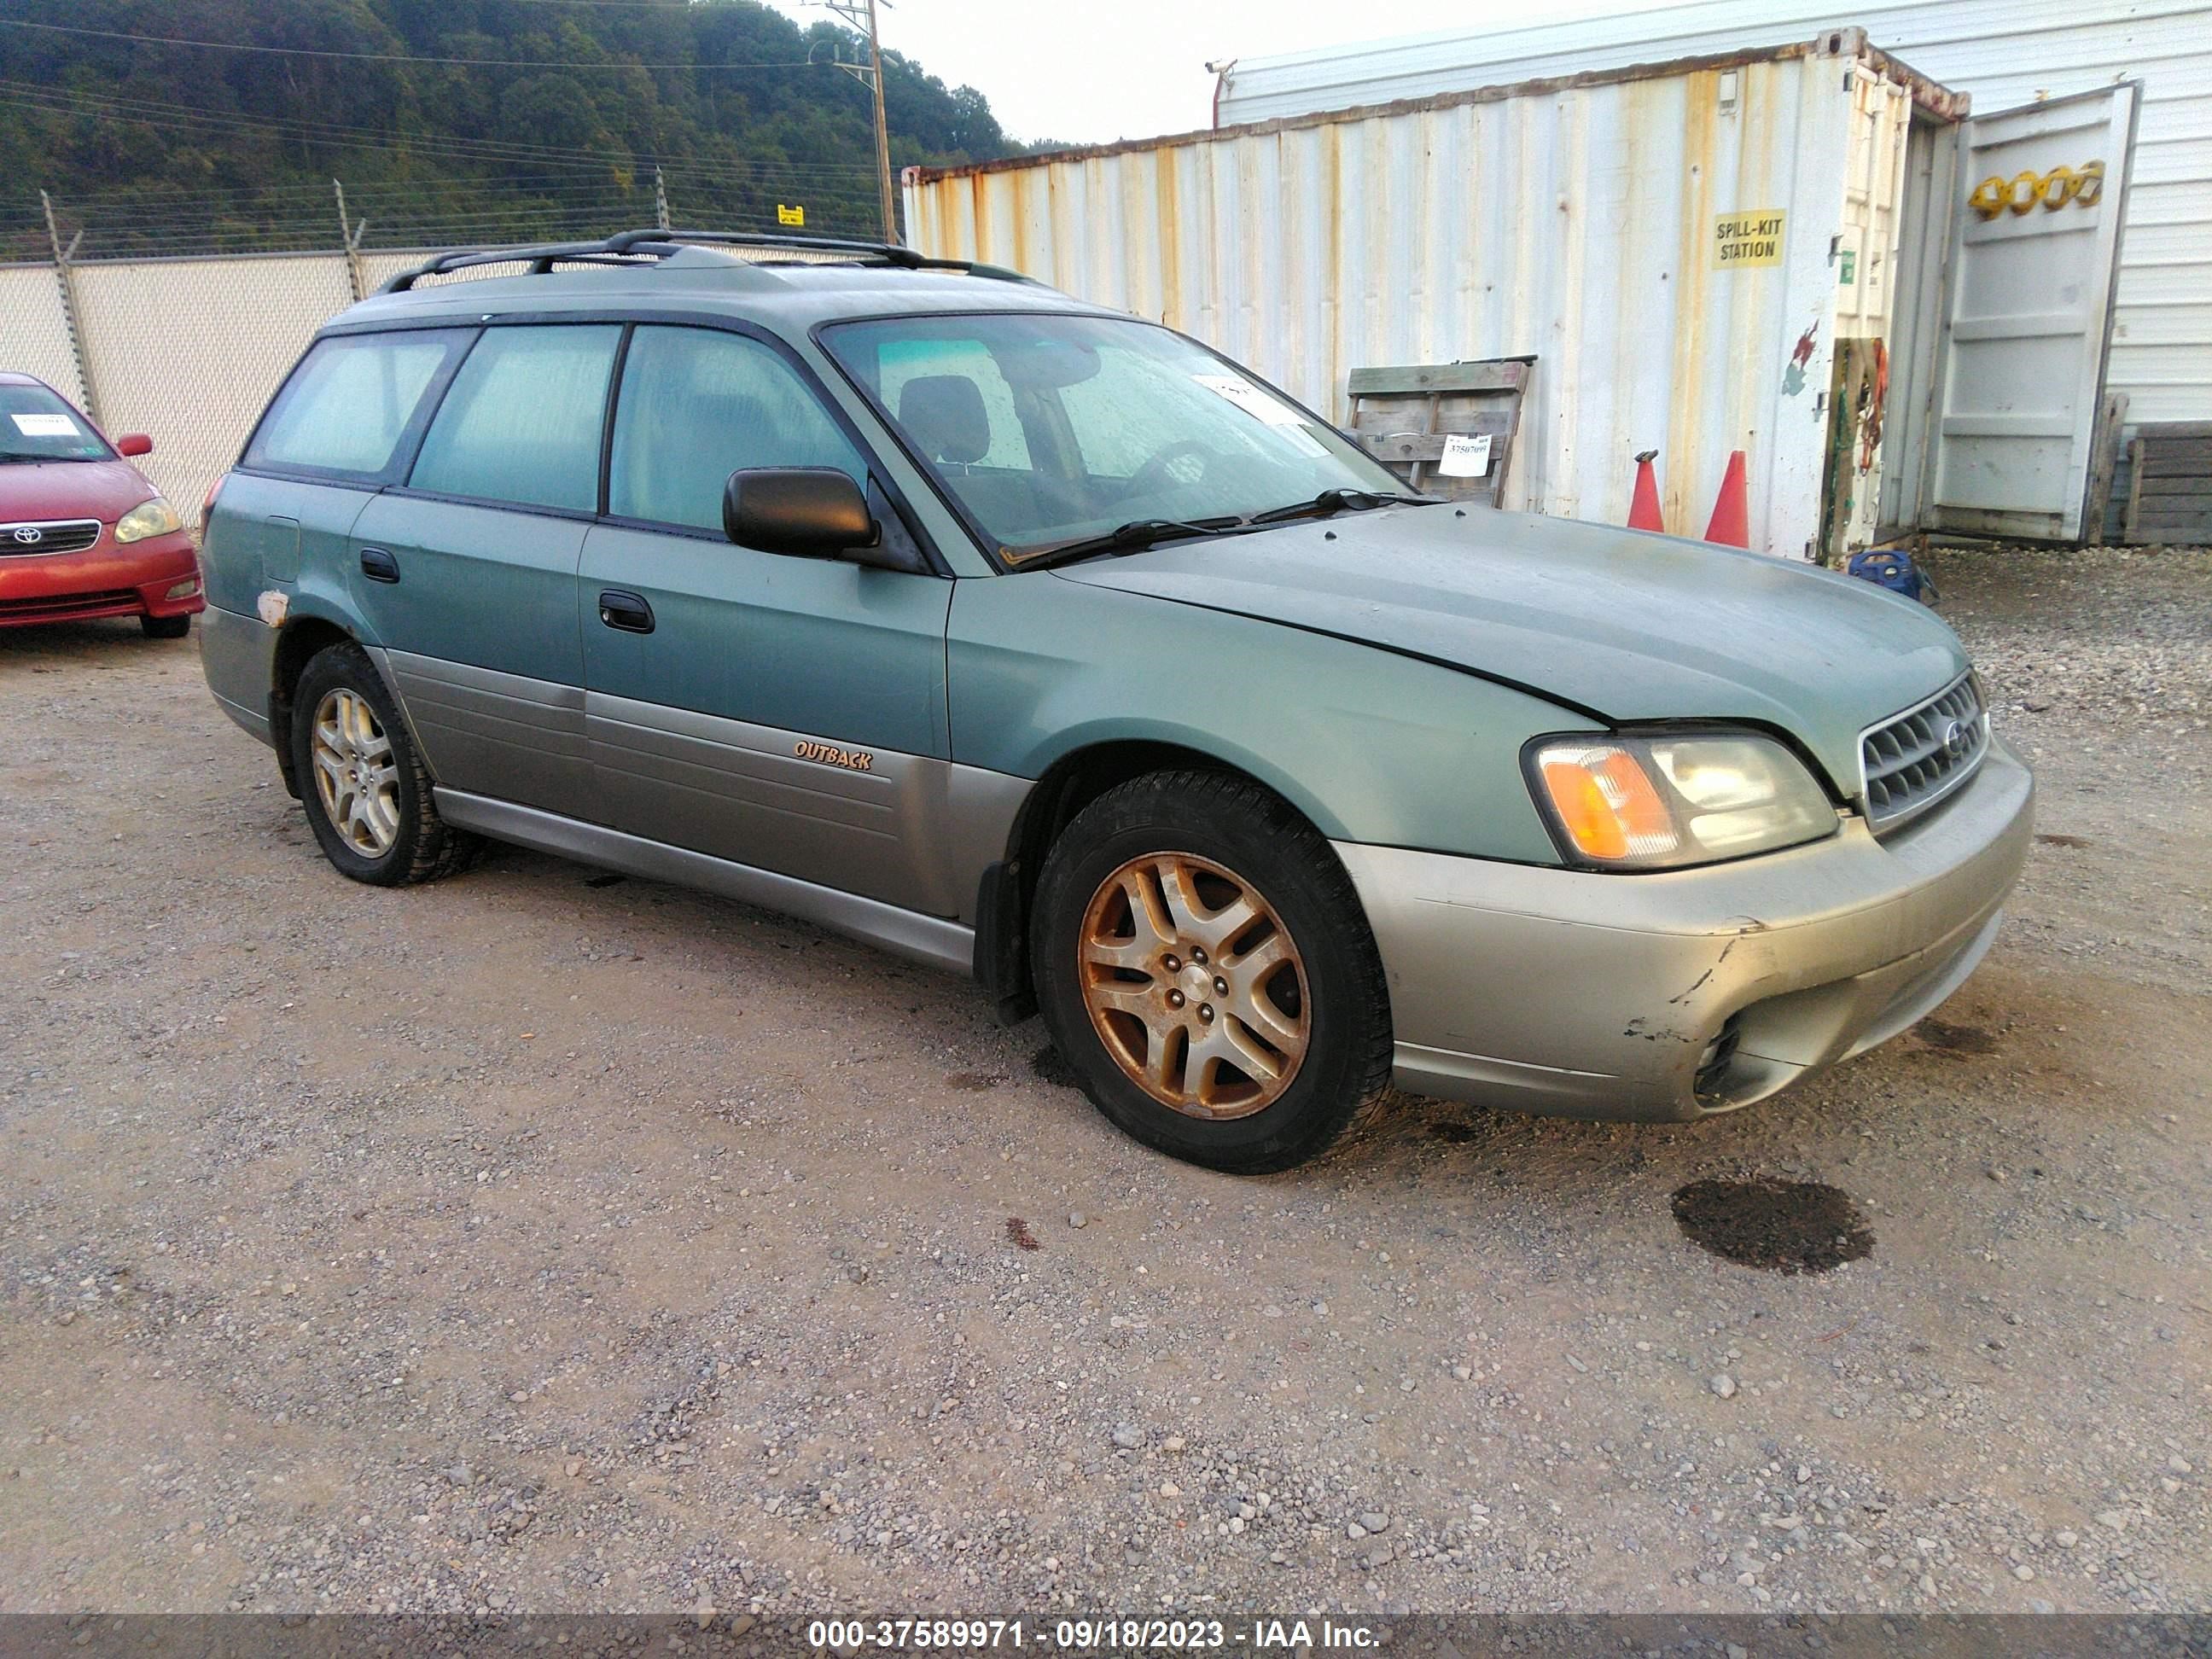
(1658, 803)
(154, 518)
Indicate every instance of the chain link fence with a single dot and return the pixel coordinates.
(184, 350)
(187, 348)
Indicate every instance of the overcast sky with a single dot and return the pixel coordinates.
(1089, 71)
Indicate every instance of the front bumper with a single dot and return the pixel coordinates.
(105, 579)
(1678, 994)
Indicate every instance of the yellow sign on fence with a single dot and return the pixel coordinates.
(1754, 238)
(790, 215)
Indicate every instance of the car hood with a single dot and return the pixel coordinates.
(1627, 626)
(70, 489)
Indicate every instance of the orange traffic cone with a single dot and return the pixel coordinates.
(1643, 505)
(1731, 521)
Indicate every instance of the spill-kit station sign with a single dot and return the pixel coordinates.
(1752, 238)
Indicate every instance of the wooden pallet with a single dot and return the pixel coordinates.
(1405, 417)
(2170, 485)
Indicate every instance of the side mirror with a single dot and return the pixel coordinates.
(815, 512)
(134, 444)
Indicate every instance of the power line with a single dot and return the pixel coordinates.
(28, 95)
(387, 56)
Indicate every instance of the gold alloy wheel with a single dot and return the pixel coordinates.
(356, 777)
(1194, 985)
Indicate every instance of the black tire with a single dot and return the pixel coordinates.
(1336, 1090)
(423, 847)
(165, 627)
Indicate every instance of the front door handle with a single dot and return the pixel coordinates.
(620, 609)
(378, 566)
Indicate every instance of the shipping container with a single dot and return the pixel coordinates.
(2002, 54)
(1717, 253)
(1664, 241)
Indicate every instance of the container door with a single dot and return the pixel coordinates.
(2036, 242)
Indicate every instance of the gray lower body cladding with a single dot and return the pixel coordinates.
(1664, 996)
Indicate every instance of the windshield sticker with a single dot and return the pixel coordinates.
(1260, 406)
(45, 426)
(1465, 458)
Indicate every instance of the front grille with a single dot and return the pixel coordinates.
(62, 536)
(1914, 760)
(49, 606)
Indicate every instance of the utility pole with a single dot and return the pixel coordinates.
(661, 198)
(861, 14)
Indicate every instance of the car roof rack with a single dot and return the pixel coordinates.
(632, 247)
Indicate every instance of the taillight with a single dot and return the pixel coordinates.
(207, 506)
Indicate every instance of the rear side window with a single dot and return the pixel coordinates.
(696, 405)
(348, 405)
(522, 420)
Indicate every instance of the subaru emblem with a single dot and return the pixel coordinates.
(29, 536)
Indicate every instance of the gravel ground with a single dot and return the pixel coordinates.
(548, 1240)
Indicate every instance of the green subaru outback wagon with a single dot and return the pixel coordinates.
(1039, 642)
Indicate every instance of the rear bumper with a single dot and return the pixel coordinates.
(141, 579)
(238, 654)
(1606, 995)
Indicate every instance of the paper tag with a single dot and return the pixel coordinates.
(45, 426)
(1249, 399)
(1465, 458)
(1260, 406)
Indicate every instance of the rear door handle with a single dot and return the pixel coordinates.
(378, 566)
(620, 609)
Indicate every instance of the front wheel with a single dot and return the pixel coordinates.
(367, 791)
(1204, 965)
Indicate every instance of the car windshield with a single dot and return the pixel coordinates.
(1050, 431)
(36, 425)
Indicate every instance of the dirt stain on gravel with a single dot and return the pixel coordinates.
(2065, 840)
(972, 1083)
(1785, 1226)
(1955, 1039)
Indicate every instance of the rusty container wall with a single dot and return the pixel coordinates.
(1577, 220)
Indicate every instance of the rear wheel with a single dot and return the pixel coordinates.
(367, 793)
(165, 627)
(1204, 966)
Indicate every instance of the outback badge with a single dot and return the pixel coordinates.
(852, 760)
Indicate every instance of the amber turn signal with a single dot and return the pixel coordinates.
(1606, 805)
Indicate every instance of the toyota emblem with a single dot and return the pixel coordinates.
(29, 536)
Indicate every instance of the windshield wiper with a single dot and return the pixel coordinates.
(1128, 538)
(1332, 501)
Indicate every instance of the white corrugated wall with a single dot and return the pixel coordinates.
(34, 329)
(2003, 53)
(1576, 224)
(184, 350)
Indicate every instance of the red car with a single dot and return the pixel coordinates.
(81, 532)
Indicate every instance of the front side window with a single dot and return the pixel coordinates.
(346, 407)
(1053, 429)
(697, 404)
(522, 420)
(37, 425)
